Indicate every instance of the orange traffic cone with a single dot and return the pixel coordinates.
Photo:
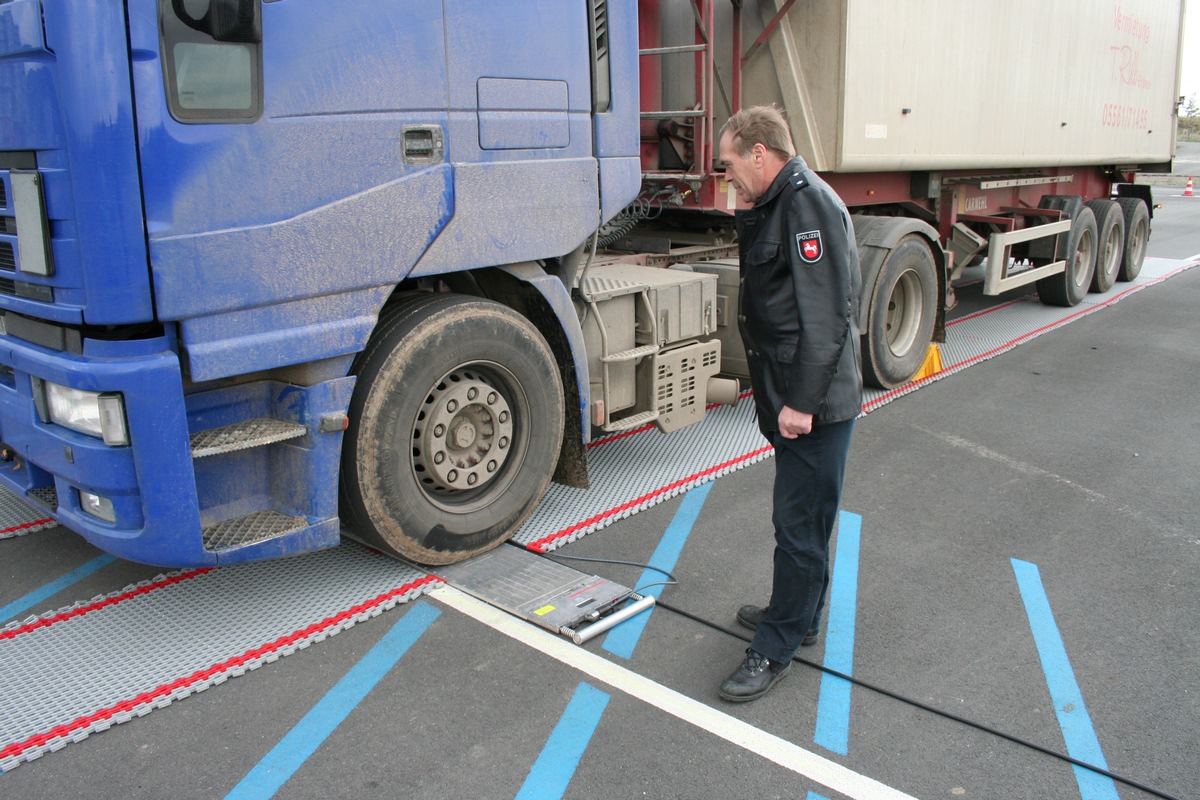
(1188, 191)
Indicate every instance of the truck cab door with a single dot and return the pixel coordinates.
(293, 166)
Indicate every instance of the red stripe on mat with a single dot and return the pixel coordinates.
(13, 633)
(1083, 312)
(651, 426)
(539, 545)
(25, 525)
(61, 731)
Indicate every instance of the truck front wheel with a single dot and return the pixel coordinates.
(455, 427)
(901, 314)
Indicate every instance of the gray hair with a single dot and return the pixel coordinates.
(763, 125)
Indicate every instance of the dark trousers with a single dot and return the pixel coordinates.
(808, 488)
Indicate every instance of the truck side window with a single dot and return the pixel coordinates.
(207, 80)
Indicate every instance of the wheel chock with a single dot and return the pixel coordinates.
(932, 364)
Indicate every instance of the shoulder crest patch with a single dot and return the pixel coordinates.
(810, 247)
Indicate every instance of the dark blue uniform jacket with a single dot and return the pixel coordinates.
(800, 285)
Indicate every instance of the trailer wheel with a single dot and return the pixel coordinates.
(1137, 234)
(901, 314)
(455, 427)
(1069, 287)
(1110, 231)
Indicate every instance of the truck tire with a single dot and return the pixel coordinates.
(455, 427)
(901, 314)
(1137, 234)
(1110, 233)
(1069, 287)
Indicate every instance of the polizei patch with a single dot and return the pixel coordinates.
(810, 247)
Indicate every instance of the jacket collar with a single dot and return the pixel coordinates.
(781, 180)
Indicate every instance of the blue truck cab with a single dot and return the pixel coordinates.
(272, 269)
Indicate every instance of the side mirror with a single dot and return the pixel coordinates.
(225, 20)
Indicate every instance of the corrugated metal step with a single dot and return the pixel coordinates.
(630, 422)
(244, 435)
(256, 527)
(46, 496)
(631, 355)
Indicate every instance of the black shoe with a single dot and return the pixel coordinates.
(750, 616)
(752, 679)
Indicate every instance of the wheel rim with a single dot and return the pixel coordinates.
(904, 311)
(1140, 235)
(1111, 251)
(1084, 255)
(466, 438)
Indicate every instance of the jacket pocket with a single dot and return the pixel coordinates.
(761, 253)
(785, 351)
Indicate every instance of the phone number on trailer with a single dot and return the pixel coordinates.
(1119, 116)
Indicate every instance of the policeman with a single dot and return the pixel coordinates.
(798, 316)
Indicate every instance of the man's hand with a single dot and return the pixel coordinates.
(793, 423)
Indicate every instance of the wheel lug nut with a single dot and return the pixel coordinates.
(503, 442)
(439, 458)
(491, 398)
(452, 475)
(472, 394)
(491, 466)
(471, 479)
(452, 405)
(504, 416)
(439, 430)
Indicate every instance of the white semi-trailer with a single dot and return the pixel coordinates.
(956, 131)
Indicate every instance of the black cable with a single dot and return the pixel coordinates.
(872, 687)
(931, 709)
(671, 579)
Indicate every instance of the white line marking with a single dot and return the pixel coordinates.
(1159, 525)
(1012, 463)
(782, 752)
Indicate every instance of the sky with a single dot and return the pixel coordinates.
(1190, 79)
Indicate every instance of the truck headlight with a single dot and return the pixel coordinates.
(99, 414)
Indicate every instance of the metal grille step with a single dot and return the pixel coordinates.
(630, 422)
(46, 496)
(244, 435)
(631, 355)
(256, 527)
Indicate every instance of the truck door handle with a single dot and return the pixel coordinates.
(422, 144)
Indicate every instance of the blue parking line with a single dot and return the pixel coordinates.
(555, 766)
(833, 703)
(277, 766)
(23, 604)
(815, 796)
(1073, 718)
(552, 772)
(622, 639)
